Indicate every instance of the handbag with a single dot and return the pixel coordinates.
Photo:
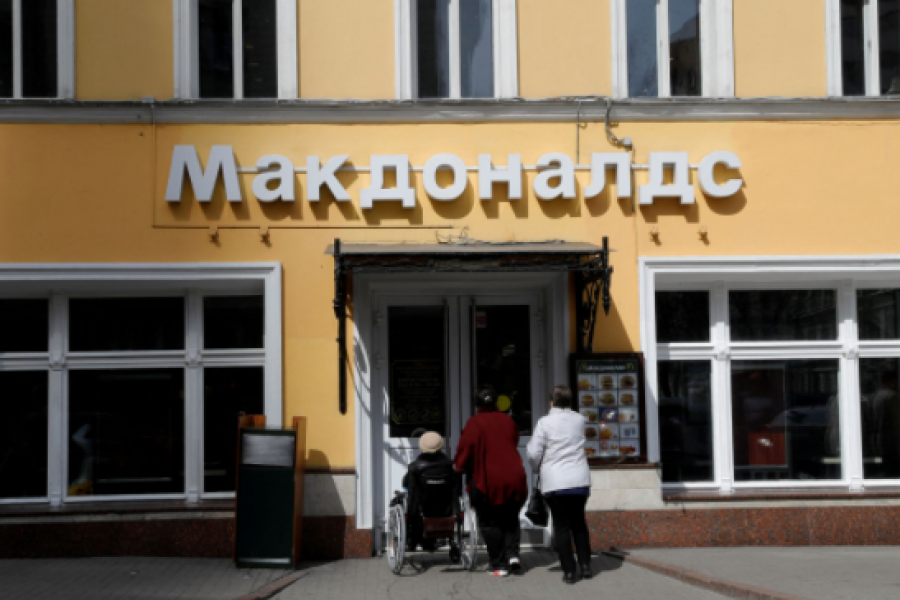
(537, 507)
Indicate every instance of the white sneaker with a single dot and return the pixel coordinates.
(500, 573)
(515, 564)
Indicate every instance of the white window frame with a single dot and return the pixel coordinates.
(186, 18)
(65, 49)
(59, 283)
(871, 44)
(505, 49)
(719, 275)
(716, 48)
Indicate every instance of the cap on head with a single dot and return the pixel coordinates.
(431, 442)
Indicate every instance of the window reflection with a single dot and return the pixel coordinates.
(216, 52)
(684, 47)
(782, 315)
(24, 324)
(39, 26)
(786, 420)
(126, 432)
(260, 46)
(685, 421)
(503, 359)
(889, 45)
(643, 78)
(853, 62)
(682, 317)
(433, 48)
(877, 314)
(23, 434)
(6, 52)
(476, 48)
(880, 411)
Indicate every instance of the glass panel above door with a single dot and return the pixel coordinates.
(503, 359)
(417, 349)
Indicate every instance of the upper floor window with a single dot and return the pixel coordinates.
(37, 49)
(236, 48)
(456, 49)
(864, 39)
(664, 48)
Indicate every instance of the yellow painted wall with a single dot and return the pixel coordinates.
(123, 49)
(779, 48)
(103, 203)
(346, 49)
(564, 48)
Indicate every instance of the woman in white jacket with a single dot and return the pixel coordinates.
(557, 449)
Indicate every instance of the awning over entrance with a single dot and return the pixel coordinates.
(589, 262)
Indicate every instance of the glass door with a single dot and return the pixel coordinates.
(434, 351)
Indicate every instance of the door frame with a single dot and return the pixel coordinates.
(368, 364)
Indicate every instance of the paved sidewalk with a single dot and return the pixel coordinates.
(370, 579)
(126, 578)
(819, 573)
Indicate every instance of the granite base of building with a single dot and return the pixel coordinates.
(324, 538)
(794, 526)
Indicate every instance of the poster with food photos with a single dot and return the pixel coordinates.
(608, 391)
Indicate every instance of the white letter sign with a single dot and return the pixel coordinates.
(221, 159)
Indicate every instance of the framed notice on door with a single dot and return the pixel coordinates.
(609, 392)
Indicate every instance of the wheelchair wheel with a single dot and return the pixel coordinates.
(468, 542)
(396, 538)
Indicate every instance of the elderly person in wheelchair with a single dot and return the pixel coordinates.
(430, 510)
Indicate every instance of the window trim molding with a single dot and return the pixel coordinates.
(871, 47)
(505, 50)
(716, 48)
(845, 274)
(66, 280)
(185, 20)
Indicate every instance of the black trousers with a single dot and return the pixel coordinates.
(568, 526)
(499, 525)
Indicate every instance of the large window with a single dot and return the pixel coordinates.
(771, 384)
(236, 49)
(37, 48)
(457, 49)
(864, 53)
(664, 48)
(146, 387)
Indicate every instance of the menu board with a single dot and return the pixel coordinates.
(417, 392)
(609, 397)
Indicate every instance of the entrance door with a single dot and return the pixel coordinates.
(436, 350)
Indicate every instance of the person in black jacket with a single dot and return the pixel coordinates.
(434, 489)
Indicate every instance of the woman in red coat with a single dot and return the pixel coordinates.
(489, 456)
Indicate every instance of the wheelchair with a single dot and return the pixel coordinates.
(462, 531)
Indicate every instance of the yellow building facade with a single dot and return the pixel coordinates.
(750, 220)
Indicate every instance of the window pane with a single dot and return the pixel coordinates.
(684, 47)
(477, 48)
(216, 49)
(786, 420)
(126, 432)
(880, 411)
(6, 49)
(416, 355)
(877, 314)
(433, 44)
(682, 317)
(643, 78)
(24, 325)
(260, 49)
(23, 434)
(853, 62)
(115, 324)
(889, 42)
(227, 392)
(39, 49)
(233, 322)
(782, 315)
(503, 357)
(685, 421)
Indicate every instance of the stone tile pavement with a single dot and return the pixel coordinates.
(127, 578)
(433, 577)
(366, 579)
